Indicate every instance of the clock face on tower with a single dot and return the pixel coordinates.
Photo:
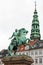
(27, 47)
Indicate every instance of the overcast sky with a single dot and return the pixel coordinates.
(17, 14)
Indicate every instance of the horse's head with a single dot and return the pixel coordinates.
(23, 31)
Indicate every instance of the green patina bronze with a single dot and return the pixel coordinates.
(35, 31)
(18, 37)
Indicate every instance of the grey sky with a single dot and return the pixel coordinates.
(17, 14)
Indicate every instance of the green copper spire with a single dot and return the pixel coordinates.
(35, 31)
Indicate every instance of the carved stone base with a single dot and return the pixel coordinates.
(17, 60)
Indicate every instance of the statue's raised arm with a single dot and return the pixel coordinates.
(14, 34)
(11, 36)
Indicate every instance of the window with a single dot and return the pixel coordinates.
(17, 53)
(40, 60)
(32, 53)
(41, 44)
(36, 53)
(36, 60)
(40, 52)
(36, 26)
(35, 45)
(27, 47)
(24, 53)
(27, 53)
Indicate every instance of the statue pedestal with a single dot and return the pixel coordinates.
(17, 60)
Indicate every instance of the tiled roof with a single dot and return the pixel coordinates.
(40, 41)
(3, 53)
(37, 44)
(32, 42)
(21, 48)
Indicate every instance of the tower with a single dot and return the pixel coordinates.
(35, 31)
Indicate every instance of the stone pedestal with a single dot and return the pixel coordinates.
(17, 60)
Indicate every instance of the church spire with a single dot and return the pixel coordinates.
(35, 31)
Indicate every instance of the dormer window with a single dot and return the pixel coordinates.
(27, 47)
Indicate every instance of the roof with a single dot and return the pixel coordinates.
(40, 41)
(37, 44)
(21, 48)
(3, 53)
(32, 42)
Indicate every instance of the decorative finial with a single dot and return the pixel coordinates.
(35, 4)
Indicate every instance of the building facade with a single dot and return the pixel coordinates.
(36, 53)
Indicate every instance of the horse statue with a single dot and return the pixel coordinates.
(18, 37)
